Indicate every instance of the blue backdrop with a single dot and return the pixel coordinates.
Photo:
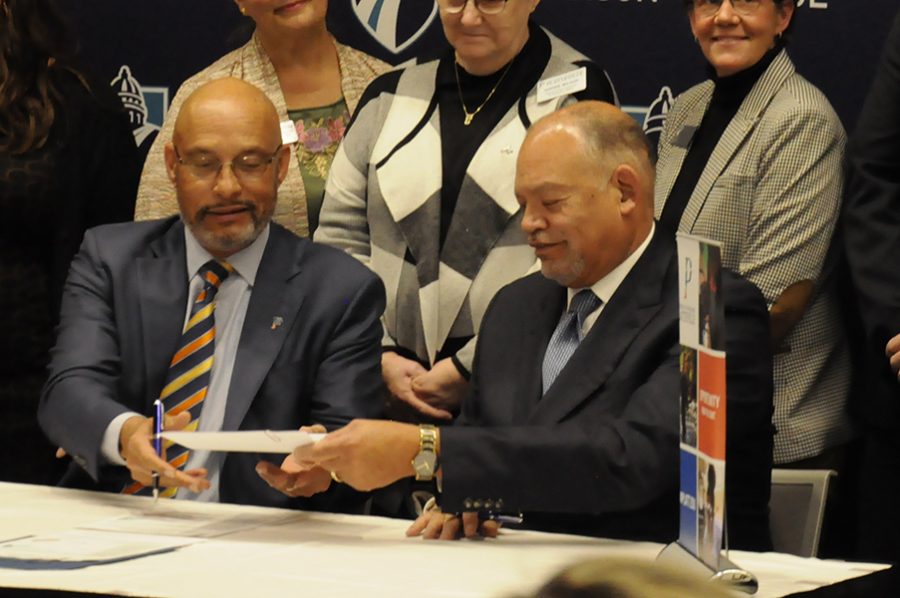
(646, 45)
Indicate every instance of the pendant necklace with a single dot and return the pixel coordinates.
(471, 115)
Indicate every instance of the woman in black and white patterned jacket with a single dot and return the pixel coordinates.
(421, 189)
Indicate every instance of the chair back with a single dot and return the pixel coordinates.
(797, 508)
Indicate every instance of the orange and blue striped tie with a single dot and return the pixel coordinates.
(187, 380)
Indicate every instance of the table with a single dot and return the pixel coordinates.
(317, 554)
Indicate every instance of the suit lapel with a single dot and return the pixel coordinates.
(162, 297)
(631, 307)
(539, 325)
(277, 293)
(689, 122)
(737, 131)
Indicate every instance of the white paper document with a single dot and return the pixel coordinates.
(250, 441)
(193, 524)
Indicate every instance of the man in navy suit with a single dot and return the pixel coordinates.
(297, 331)
(583, 441)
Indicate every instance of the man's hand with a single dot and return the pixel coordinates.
(398, 374)
(893, 353)
(136, 447)
(293, 478)
(443, 388)
(366, 454)
(434, 524)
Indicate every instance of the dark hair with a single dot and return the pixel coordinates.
(627, 578)
(785, 36)
(34, 43)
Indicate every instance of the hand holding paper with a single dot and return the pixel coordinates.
(366, 454)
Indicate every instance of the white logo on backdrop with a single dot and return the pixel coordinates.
(146, 106)
(381, 18)
(653, 117)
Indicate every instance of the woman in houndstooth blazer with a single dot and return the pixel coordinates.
(752, 159)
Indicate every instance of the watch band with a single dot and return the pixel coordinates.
(427, 438)
(425, 463)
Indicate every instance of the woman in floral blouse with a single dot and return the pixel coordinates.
(313, 81)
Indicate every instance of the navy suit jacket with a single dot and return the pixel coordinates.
(122, 312)
(598, 454)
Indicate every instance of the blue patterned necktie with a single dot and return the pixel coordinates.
(567, 335)
(189, 371)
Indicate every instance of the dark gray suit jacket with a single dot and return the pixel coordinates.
(122, 313)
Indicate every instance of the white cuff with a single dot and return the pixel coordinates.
(109, 448)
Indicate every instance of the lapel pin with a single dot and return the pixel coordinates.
(277, 321)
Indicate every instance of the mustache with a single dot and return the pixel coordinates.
(246, 204)
(540, 239)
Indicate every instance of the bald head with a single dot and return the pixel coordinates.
(232, 97)
(608, 135)
(585, 178)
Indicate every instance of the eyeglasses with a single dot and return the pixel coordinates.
(708, 8)
(485, 7)
(247, 168)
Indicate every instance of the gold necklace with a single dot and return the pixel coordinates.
(471, 115)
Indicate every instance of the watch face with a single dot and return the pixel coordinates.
(424, 464)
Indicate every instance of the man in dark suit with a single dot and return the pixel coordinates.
(294, 331)
(586, 444)
(871, 228)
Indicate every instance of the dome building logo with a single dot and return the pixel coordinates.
(146, 106)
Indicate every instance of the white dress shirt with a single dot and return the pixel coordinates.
(606, 286)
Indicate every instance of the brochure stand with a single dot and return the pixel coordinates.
(703, 416)
(677, 556)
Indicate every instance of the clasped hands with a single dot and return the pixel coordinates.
(434, 393)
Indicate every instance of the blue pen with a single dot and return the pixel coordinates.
(157, 442)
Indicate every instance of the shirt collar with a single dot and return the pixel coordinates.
(606, 286)
(245, 262)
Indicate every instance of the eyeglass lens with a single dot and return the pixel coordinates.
(488, 7)
(711, 7)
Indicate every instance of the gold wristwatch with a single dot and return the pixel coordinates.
(425, 463)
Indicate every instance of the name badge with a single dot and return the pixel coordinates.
(683, 139)
(562, 85)
(288, 132)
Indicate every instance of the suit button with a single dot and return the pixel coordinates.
(499, 504)
(476, 505)
(467, 504)
(488, 504)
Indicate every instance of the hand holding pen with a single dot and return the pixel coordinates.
(142, 455)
